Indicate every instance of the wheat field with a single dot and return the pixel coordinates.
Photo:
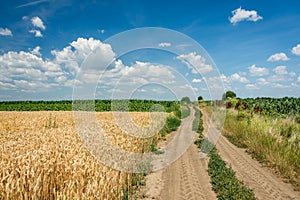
(42, 157)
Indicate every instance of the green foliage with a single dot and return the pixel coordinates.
(200, 98)
(185, 111)
(172, 124)
(89, 105)
(224, 181)
(273, 142)
(274, 107)
(198, 123)
(228, 94)
(186, 100)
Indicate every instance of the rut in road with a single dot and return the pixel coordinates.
(186, 178)
(264, 183)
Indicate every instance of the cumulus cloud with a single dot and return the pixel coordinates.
(73, 55)
(195, 80)
(28, 69)
(25, 66)
(262, 81)
(36, 51)
(241, 14)
(278, 57)
(5, 32)
(144, 72)
(298, 80)
(252, 87)
(164, 44)
(292, 74)
(195, 62)
(258, 71)
(280, 70)
(37, 22)
(37, 33)
(278, 85)
(296, 50)
(237, 78)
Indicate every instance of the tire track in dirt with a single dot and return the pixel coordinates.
(265, 184)
(186, 178)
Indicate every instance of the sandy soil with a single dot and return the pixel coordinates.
(186, 178)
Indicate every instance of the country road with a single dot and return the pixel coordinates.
(187, 178)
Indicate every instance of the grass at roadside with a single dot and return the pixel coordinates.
(275, 142)
(223, 179)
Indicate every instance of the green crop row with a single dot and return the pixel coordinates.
(287, 106)
(223, 179)
(96, 105)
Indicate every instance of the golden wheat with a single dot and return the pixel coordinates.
(42, 157)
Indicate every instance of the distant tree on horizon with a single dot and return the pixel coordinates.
(228, 94)
(185, 100)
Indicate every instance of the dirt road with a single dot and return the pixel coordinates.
(265, 184)
(186, 178)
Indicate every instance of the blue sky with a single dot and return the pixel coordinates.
(254, 44)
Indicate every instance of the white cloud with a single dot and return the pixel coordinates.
(37, 22)
(296, 50)
(278, 57)
(195, 80)
(73, 55)
(252, 87)
(280, 70)
(237, 78)
(5, 32)
(292, 74)
(241, 14)
(141, 90)
(258, 71)
(37, 33)
(36, 51)
(29, 72)
(158, 90)
(298, 80)
(276, 78)
(147, 70)
(278, 85)
(101, 31)
(188, 87)
(224, 78)
(6, 86)
(262, 81)
(164, 44)
(61, 79)
(195, 62)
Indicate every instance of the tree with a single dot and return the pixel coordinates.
(200, 98)
(229, 94)
(185, 100)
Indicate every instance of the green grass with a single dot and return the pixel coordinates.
(224, 181)
(185, 111)
(274, 142)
